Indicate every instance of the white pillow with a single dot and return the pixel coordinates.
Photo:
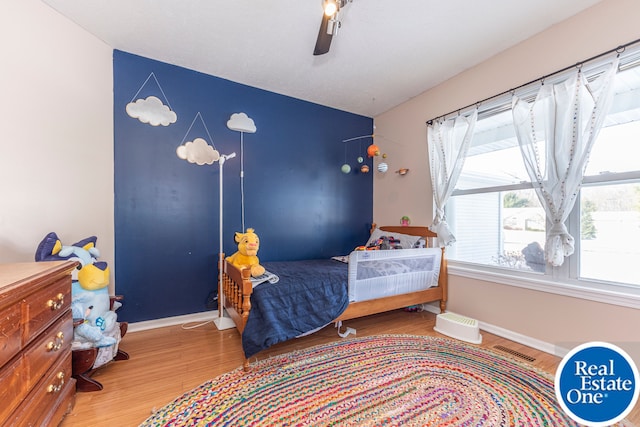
(406, 241)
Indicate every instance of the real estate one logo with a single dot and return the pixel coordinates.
(597, 384)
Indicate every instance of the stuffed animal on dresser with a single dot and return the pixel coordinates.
(89, 287)
(97, 332)
(246, 256)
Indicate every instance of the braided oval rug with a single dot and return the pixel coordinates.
(387, 380)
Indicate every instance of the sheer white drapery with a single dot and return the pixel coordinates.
(448, 142)
(555, 133)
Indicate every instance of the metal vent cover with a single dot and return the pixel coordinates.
(515, 353)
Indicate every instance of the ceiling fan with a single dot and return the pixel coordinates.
(329, 24)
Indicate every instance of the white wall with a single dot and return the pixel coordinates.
(56, 132)
(554, 319)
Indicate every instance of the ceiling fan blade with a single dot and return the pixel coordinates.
(324, 38)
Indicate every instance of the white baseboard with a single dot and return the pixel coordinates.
(210, 316)
(511, 335)
(525, 340)
(205, 316)
(431, 308)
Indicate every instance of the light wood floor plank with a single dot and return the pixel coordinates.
(167, 362)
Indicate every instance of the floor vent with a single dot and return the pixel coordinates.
(515, 353)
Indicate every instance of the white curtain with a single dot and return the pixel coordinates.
(448, 143)
(556, 132)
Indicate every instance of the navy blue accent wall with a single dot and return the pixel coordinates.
(167, 210)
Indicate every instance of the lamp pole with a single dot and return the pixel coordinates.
(222, 322)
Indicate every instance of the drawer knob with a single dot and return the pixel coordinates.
(56, 303)
(57, 345)
(56, 388)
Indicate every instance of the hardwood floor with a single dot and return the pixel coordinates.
(167, 362)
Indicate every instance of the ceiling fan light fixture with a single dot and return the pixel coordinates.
(332, 27)
(329, 24)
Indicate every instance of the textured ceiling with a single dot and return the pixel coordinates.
(384, 54)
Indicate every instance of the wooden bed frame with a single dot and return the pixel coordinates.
(237, 288)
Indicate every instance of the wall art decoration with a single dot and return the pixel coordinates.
(198, 151)
(240, 122)
(151, 110)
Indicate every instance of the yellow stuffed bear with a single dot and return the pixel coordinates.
(246, 256)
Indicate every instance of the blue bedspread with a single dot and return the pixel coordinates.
(309, 295)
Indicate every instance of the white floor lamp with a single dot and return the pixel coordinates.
(239, 122)
(200, 152)
(221, 321)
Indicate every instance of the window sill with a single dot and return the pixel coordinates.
(609, 293)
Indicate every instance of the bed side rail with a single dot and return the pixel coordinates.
(237, 289)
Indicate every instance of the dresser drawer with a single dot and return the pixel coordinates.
(13, 388)
(36, 331)
(43, 307)
(27, 369)
(54, 389)
(9, 333)
(47, 348)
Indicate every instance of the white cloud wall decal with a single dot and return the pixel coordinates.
(152, 111)
(198, 151)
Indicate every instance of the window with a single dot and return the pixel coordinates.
(610, 232)
(500, 225)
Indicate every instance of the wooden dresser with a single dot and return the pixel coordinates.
(36, 330)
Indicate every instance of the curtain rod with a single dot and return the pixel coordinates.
(579, 64)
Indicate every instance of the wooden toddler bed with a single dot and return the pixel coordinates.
(238, 291)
